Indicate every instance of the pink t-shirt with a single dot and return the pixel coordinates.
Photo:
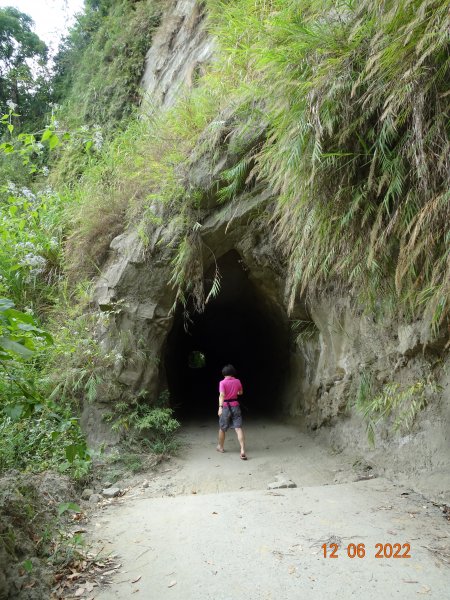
(229, 387)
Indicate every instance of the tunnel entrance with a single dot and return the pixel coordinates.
(240, 326)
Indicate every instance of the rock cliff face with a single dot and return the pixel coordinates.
(316, 360)
(180, 49)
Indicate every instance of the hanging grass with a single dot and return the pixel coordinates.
(355, 95)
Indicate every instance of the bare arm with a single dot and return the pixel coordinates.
(221, 399)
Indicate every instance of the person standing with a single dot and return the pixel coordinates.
(230, 416)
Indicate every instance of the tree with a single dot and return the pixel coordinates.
(23, 57)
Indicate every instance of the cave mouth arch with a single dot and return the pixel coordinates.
(241, 326)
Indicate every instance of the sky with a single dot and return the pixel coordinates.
(52, 18)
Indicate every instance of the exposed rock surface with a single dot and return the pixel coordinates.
(180, 49)
(95, 498)
(281, 482)
(86, 494)
(111, 492)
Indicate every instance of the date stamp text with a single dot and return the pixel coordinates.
(360, 551)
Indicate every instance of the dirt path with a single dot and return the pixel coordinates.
(207, 527)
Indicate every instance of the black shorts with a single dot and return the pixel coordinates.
(231, 417)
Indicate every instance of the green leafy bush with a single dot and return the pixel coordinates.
(155, 423)
(36, 433)
(31, 229)
(77, 369)
(50, 438)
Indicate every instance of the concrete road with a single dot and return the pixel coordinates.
(207, 527)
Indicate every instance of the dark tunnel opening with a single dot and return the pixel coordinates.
(239, 326)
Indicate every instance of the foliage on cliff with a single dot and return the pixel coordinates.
(346, 108)
(355, 97)
(101, 62)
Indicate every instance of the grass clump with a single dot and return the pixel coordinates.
(395, 404)
(140, 179)
(153, 426)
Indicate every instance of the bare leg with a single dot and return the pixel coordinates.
(221, 440)
(241, 438)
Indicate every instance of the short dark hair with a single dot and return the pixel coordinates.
(229, 370)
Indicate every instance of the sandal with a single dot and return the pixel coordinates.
(243, 456)
(221, 450)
